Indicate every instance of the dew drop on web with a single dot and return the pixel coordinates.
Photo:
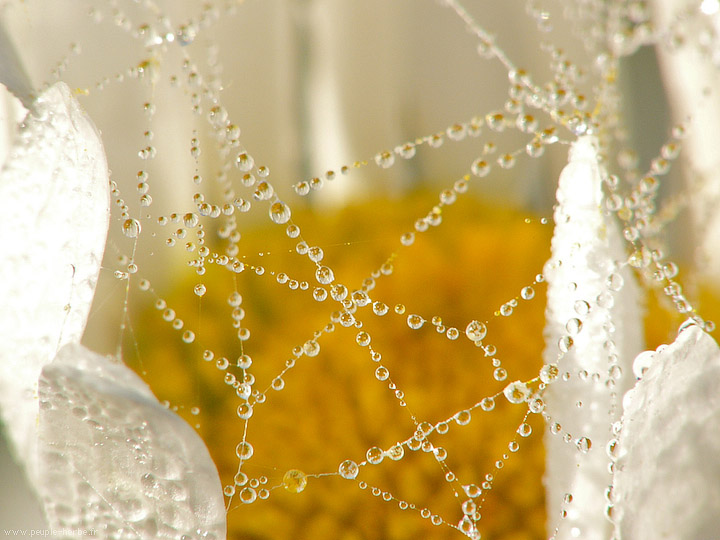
(348, 469)
(294, 481)
(131, 228)
(279, 212)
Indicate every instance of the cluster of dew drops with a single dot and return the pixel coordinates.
(246, 184)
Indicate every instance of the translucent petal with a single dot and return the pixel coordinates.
(111, 457)
(55, 219)
(669, 444)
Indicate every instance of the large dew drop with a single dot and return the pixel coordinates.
(415, 321)
(324, 275)
(476, 331)
(279, 212)
(516, 392)
(348, 469)
(131, 228)
(294, 481)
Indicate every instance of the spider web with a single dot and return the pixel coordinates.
(343, 335)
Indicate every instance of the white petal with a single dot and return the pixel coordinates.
(112, 458)
(667, 480)
(54, 188)
(586, 251)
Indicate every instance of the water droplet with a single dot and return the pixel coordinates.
(583, 444)
(406, 151)
(200, 289)
(264, 192)
(476, 331)
(338, 292)
(415, 321)
(294, 481)
(536, 405)
(244, 162)
(456, 132)
(319, 294)
(380, 309)
(573, 326)
(245, 411)
(311, 348)
(302, 188)
(248, 495)
(244, 450)
(149, 152)
(480, 168)
(382, 373)
(324, 275)
(375, 455)
(348, 469)
(315, 254)
(516, 392)
(360, 298)
(244, 361)
(396, 452)
(526, 123)
(495, 121)
(582, 307)
(565, 343)
(407, 239)
(222, 363)
(131, 228)
(487, 404)
(463, 417)
(549, 373)
(642, 362)
(670, 270)
(385, 159)
(506, 161)
(279, 212)
(240, 479)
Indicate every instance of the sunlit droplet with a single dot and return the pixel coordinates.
(415, 321)
(294, 481)
(348, 469)
(131, 228)
(279, 212)
(516, 392)
(476, 331)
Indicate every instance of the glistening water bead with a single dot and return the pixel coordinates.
(294, 481)
(375, 455)
(415, 321)
(131, 228)
(244, 450)
(516, 392)
(279, 212)
(476, 331)
(348, 469)
(324, 275)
